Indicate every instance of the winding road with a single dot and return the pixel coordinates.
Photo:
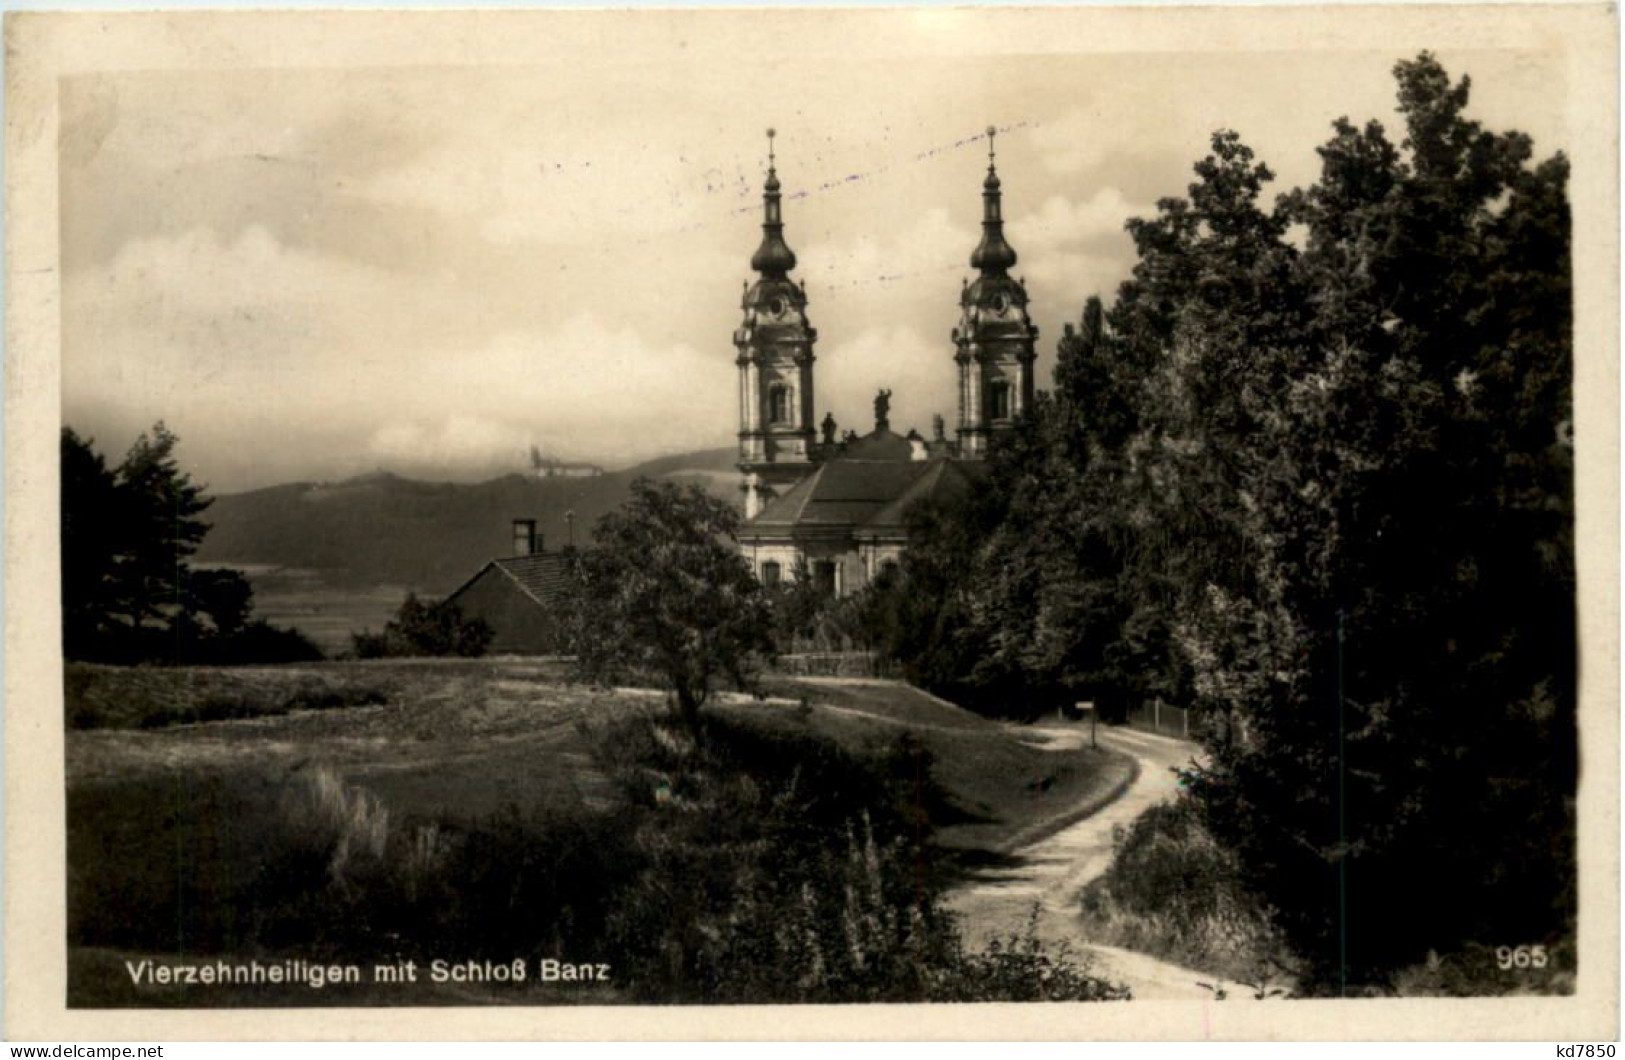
(1050, 872)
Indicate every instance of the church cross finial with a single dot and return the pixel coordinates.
(774, 258)
(993, 256)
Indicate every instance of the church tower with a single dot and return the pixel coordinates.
(995, 338)
(775, 343)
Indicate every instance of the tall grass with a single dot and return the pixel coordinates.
(246, 862)
(1172, 891)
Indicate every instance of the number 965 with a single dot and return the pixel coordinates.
(1510, 957)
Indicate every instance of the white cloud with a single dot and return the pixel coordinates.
(198, 270)
(930, 247)
(1062, 221)
(458, 442)
(585, 390)
(1076, 246)
(242, 326)
(225, 336)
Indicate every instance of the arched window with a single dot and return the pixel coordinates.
(998, 399)
(823, 573)
(771, 573)
(778, 404)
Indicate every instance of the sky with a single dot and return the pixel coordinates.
(315, 272)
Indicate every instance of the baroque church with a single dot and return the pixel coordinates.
(833, 506)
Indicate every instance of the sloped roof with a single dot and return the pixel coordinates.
(543, 576)
(842, 493)
(943, 478)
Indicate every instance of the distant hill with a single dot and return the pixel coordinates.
(381, 529)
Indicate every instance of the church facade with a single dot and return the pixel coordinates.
(831, 508)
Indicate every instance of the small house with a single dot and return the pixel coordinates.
(518, 596)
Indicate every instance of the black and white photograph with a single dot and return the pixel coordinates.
(644, 510)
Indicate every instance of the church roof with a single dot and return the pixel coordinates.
(944, 478)
(867, 488)
(841, 494)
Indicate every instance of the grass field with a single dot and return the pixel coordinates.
(400, 749)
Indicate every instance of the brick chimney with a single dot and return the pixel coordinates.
(526, 542)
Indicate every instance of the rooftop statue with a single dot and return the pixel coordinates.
(882, 410)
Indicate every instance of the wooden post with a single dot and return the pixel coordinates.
(1087, 706)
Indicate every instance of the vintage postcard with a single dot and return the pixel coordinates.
(1083, 522)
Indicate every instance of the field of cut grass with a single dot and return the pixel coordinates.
(151, 697)
(410, 747)
(456, 737)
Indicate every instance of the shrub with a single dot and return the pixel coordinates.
(1020, 967)
(259, 642)
(425, 628)
(1174, 892)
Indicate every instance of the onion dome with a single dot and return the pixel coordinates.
(774, 258)
(993, 256)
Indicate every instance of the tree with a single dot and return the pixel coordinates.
(425, 628)
(1366, 459)
(224, 596)
(664, 591)
(796, 603)
(129, 593)
(1311, 473)
(92, 522)
(162, 530)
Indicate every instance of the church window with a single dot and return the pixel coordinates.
(998, 399)
(778, 404)
(771, 573)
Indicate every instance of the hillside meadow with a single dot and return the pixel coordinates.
(384, 811)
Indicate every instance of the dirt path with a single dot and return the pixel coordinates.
(1049, 873)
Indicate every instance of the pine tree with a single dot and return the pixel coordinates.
(92, 527)
(162, 529)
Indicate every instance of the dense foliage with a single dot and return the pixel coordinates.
(665, 592)
(129, 590)
(425, 628)
(1311, 474)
